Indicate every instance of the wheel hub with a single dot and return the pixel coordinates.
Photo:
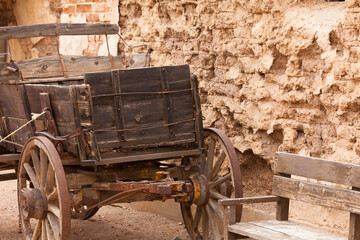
(201, 190)
(33, 203)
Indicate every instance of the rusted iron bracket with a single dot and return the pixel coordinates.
(166, 189)
(63, 66)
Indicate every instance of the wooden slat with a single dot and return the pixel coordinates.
(5, 158)
(57, 29)
(248, 200)
(318, 194)
(284, 230)
(49, 67)
(8, 176)
(316, 168)
(76, 66)
(144, 157)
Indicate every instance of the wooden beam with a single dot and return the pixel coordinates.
(248, 200)
(6, 158)
(8, 176)
(317, 168)
(143, 157)
(318, 194)
(76, 66)
(57, 29)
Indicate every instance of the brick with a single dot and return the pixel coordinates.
(84, 7)
(69, 9)
(92, 17)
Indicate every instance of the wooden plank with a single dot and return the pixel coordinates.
(8, 176)
(284, 230)
(144, 157)
(5, 158)
(316, 168)
(49, 67)
(248, 200)
(342, 199)
(57, 29)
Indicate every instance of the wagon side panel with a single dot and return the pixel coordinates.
(140, 108)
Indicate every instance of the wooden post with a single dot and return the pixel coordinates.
(282, 208)
(354, 227)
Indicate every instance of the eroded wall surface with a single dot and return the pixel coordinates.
(274, 75)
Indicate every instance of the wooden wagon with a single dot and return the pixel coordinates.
(84, 131)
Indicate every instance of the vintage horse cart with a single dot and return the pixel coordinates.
(83, 132)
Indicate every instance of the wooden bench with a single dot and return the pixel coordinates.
(285, 187)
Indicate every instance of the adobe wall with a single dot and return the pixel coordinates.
(274, 75)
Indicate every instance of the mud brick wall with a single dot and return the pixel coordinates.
(274, 75)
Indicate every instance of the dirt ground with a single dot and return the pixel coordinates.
(111, 222)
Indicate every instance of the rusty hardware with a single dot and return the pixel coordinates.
(11, 69)
(146, 128)
(161, 175)
(63, 66)
(166, 188)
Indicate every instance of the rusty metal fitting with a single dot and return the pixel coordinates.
(161, 175)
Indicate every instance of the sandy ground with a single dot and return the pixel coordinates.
(111, 222)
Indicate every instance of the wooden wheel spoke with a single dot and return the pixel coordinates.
(210, 158)
(36, 161)
(54, 209)
(54, 223)
(53, 195)
(218, 164)
(220, 180)
(50, 179)
(30, 172)
(43, 230)
(214, 227)
(43, 167)
(205, 224)
(216, 195)
(37, 230)
(215, 206)
(196, 217)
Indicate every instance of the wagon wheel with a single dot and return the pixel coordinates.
(43, 195)
(219, 178)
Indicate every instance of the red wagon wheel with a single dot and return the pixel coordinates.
(219, 178)
(43, 195)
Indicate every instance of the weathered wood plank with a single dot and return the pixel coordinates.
(248, 200)
(316, 168)
(57, 29)
(48, 67)
(273, 229)
(318, 194)
(284, 230)
(8, 176)
(5, 158)
(76, 66)
(144, 157)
